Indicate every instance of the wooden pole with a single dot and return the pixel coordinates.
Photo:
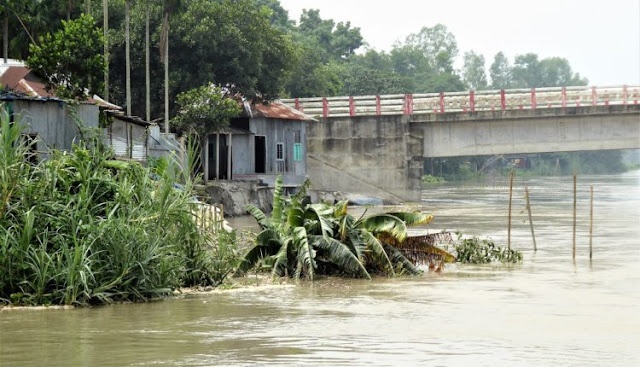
(591, 226)
(575, 200)
(509, 221)
(217, 156)
(533, 235)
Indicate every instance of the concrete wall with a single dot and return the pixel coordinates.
(370, 155)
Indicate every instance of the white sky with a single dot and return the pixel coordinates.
(601, 39)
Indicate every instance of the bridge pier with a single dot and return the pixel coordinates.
(374, 155)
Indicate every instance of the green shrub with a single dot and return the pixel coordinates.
(430, 179)
(476, 251)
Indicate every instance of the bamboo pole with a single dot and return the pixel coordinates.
(533, 235)
(591, 226)
(575, 200)
(509, 221)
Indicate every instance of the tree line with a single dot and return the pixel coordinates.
(252, 48)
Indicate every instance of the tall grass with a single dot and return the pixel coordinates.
(80, 228)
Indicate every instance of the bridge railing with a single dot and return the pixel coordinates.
(472, 101)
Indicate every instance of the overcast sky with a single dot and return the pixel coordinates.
(601, 39)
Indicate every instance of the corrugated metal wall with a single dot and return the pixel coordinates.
(53, 123)
(275, 131)
(127, 139)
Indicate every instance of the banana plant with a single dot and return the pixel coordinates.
(301, 239)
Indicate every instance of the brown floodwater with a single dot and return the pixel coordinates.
(547, 311)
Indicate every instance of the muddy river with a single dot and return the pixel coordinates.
(548, 311)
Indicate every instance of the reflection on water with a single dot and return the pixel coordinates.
(547, 311)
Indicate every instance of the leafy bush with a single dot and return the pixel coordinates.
(430, 179)
(476, 251)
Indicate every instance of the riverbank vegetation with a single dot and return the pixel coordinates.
(301, 239)
(79, 228)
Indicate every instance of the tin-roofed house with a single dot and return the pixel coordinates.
(266, 141)
(49, 122)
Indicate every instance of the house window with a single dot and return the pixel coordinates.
(297, 152)
(279, 151)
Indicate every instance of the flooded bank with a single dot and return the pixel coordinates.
(546, 311)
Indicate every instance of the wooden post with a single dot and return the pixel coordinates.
(509, 221)
(206, 158)
(591, 226)
(230, 146)
(217, 156)
(533, 235)
(575, 199)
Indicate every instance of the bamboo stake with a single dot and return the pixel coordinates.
(575, 200)
(591, 226)
(509, 221)
(533, 235)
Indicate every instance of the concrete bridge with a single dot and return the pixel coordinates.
(377, 144)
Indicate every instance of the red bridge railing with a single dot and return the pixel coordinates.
(465, 102)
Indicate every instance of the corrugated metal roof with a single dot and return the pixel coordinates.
(278, 110)
(20, 79)
(122, 116)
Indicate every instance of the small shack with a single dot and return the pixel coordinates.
(127, 135)
(266, 141)
(49, 121)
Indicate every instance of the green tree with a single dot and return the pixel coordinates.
(233, 44)
(204, 109)
(358, 80)
(437, 44)
(427, 58)
(557, 72)
(473, 73)
(70, 61)
(527, 71)
(501, 72)
(337, 41)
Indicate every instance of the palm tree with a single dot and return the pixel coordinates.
(105, 27)
(5, 33)
(127, 55)
(170, 6)
(303, 239)
(147, 72)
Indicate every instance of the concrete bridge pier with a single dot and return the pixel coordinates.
(373, 155)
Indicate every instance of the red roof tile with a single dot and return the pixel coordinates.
(278, 110)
